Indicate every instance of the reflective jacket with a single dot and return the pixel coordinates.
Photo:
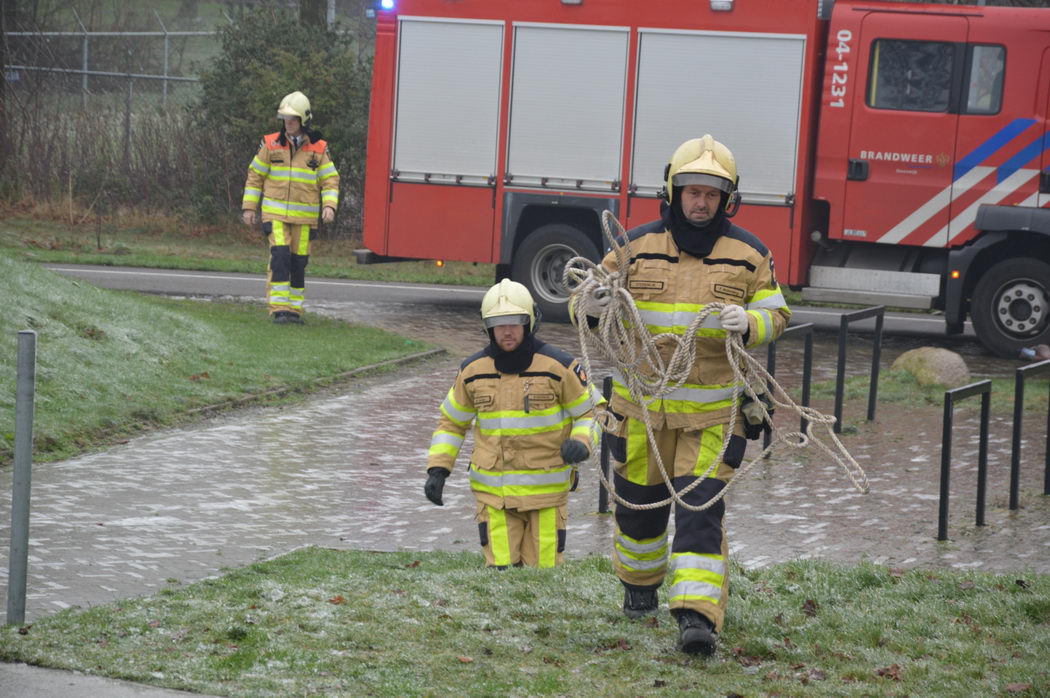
(293, 183)
(520, 421)
(670, 287)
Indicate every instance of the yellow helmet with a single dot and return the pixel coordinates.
(508, 303)
(295, 104)
(704, 161)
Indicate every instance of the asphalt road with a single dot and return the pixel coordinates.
(197, 283)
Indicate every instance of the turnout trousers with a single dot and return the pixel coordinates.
(286, 273)
(511, 537)
(697, 560)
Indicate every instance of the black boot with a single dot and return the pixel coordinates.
(696, 634)
(639, 602)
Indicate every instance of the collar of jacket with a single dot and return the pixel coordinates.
(513, 361)
(696, 240)
(311, 136)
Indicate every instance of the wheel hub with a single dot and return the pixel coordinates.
(1021, 308)
(547, 272)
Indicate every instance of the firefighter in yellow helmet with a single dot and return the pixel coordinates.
(532, 409)
(295, 181)
(691, 256)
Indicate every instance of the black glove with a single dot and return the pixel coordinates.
(435, 484)
(573, 451)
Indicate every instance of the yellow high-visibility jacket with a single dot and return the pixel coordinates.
(670, 287)
(520, 421)
(292, 184)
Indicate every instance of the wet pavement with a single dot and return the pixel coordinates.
(345, 469)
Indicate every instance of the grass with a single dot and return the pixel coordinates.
(112, 363)
(341, 623)
(77, 237)
(899, 386)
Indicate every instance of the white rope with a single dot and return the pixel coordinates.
(622, 338)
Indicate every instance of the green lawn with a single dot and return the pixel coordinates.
(321, 622)
(111, 363)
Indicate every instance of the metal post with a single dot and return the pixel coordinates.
(84, 61)
(127, 128)
(23, 468)
(603, 494)
(840, 374)
(982, 458)
(946, 460)
(807, 373)
(164, 88)
(873, 388)
(771, 367)
(1015, 455)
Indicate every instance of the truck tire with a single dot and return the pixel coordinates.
(1011, 306)
(540, 261)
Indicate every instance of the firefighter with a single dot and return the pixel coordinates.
(294, 176)
(533, 410)
(691, 256)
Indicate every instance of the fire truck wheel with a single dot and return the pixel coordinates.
(1011, 306)
(540, 261)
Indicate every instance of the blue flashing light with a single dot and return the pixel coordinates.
(386, 4)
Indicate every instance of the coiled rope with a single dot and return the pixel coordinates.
(622, 338)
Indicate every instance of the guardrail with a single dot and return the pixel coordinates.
(877, 312)
(806, 330)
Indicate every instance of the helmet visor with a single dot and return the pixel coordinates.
(683, 179)
(506, 320)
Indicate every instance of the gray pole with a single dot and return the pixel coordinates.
(19, 560)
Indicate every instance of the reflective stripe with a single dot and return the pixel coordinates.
(515, 423)
(294, 174)
(304, 241)
(763, 327)
(696, 577)
(582, 427)
(641, 555)
(767, 299)
(456, 412)
(499, 538)
(581, 405)
(299, 208)
(277, 228)
(327, 171)
(707, 455)
(695, 591)
(252, 194)
(548, 536)
(259, 166)
(331, 197)
(445, 443)
(676, 317)
(685, 399)
(518, 480)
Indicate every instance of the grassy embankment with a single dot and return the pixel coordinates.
(339, 623)
(112, 363)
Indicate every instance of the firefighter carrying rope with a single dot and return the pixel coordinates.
(692, 278)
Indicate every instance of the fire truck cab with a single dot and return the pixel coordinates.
(888, 152)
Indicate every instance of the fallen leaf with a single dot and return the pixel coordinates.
(810, 608)
(893, 671)
(336, 600)
(659, 683)
(652, 622)
(1018, 687)
(896, 572)
(465, 659)
(966, 584)
(24, 630)
(1022, 583)
(154, 624)
(817, 675)
(779, 619)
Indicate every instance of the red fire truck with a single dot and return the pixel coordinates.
(892, 153)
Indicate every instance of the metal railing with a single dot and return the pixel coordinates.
(984, 389)
(840, 376)
(806, 330)
(1021, 375)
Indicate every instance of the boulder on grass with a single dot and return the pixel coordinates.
(934, 366)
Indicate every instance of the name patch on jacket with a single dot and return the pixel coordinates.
(645, 285)
(726, 291)
(482, 400)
